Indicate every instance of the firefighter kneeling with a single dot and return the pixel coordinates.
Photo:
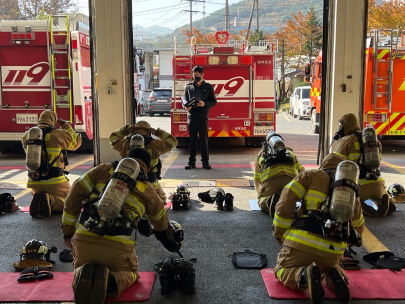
(46, 158)
(315, 235)
(364, 149)
(105, 261)
(275, 166)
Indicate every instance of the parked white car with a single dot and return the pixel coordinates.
(300, 102)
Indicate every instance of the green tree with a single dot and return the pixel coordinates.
(312, 34)
(257, 35)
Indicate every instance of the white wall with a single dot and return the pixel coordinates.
(165, 68)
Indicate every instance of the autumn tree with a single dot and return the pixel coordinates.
(35, 9)
(300, 38)
(386, 16)
(9, 10)
(257, 35)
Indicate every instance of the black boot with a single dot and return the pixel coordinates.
(311, 277)
(342, 292)
(219, 201)
(206, 164)
(229, 201)
(190, 165)
(83, 285)
(384, 206)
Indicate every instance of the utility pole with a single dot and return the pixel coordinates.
(282, 72)
(226, 16)
(257, 14)
(203, 23)
(191, 18)
(250, 20)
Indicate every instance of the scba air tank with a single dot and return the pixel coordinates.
(137, 141)
(343, 199)
(275, 142)
(371, 149)
(34, 149)
(117, 190)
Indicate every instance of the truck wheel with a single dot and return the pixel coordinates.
(314, 126)
(151, 114)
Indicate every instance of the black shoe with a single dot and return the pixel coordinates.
(392, 208)
(190, 165)
(99, 290)
(229, 201)
(83, 284)
(219, 201)
(342, 292)
(368, 210)
(311, 276)
(34, 206)
(384, 206)
(45, 205)
(206, 164)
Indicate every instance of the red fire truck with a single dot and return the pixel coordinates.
(45, 65)
(242, 75)
(384, 84)
(384, 106)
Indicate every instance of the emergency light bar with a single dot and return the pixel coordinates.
(200, 60)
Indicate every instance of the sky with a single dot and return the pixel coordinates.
(167, 13)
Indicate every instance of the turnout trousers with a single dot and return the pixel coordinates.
(291, 262)
(198, 126)
(374, 191)
(123, 264)
(57, 193)
(269, 187)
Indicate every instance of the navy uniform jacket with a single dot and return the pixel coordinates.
(205, 93)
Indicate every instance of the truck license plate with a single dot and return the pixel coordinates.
(26, 119)
(262, 130)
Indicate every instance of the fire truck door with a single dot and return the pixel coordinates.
(232, 90)
(25, 80)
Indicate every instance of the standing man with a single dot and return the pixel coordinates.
(198, 116)
(51, 190)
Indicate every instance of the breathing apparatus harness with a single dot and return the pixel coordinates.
(120, 225)
(47, 171)
(272, 158)
(322, 223)
(365, 172)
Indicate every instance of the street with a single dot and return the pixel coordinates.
(210, 235)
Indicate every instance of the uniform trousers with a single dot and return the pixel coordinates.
(198, 126)
(269, 187)
(291, 262)
(57, 193)
(122, 264)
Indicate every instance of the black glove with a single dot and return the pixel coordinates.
(44, 273)
(172, 237)
(29, 274)
(144, 227)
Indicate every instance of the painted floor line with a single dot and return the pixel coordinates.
(169, 161)
(371, 242)
(286, 118)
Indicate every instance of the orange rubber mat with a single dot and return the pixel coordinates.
(370, 284)
(59, 289)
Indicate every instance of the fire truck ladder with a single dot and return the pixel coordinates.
(60, 63)
(187, 52)
(384, 51)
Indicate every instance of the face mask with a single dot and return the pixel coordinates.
(339, 133)
(197, 79)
